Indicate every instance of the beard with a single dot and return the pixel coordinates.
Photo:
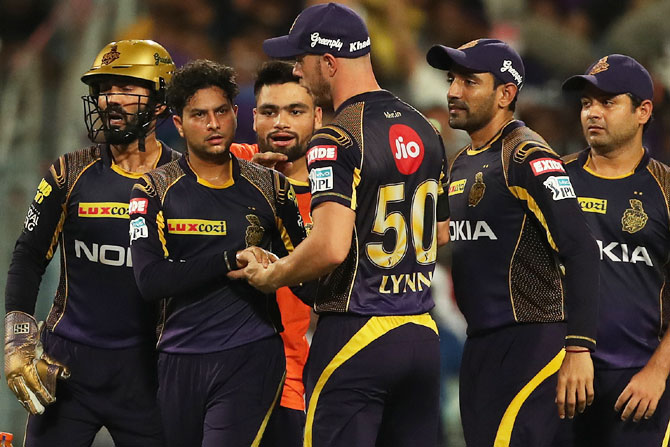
(473, 119)
(292, 152)
(134, 127)
(320, 90)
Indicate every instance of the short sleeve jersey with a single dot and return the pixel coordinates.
(385, 161)
(81, 205)
(630, 219)
(184, 236)
(515, 226)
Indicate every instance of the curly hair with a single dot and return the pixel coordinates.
(197, 75)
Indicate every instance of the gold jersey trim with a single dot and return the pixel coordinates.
(264, 424)
(504, 434)
(375, 328)
(580, 337)
(522, 194)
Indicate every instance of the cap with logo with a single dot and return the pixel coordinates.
(615, 74)
(325, 28)
(481, 56)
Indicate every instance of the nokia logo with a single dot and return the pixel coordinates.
(618, 252)
(113, 255)
(464, 230)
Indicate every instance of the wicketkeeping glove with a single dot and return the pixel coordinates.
(31, 374)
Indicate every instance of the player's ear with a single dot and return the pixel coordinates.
(331, 64)
(644, 111)
(318, 117)
(255, 112)
(176, 119)
(508, 93)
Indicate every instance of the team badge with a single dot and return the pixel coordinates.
(477, 190)
(110, 56)
(600, 66)
(255, 231)
(634, 218)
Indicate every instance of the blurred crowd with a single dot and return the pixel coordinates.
(557, 38)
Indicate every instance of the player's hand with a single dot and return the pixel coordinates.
(575, 384)
(641, 395)
(273, 160)
(261, 256)
(254, 272)
(31, 373)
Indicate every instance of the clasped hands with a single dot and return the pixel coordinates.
(255, 265)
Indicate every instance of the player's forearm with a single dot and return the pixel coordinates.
(163, 278)
(325, 248)
(660, 359)
(23, 280)
(582, 288)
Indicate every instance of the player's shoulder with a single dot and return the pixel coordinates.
(333, 133)
(82, 157)
(157, 181)
(661, 173)
(67, 169)
(522, 144)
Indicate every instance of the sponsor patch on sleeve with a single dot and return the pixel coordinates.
(138, 229)
(138, 206)
(32, 218)
(544, 165)
(319, 153)
(560, 187)
(321, 179)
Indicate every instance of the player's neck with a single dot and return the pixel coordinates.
(356, 82)
(129, 157)
(616, 162)
(297, 170)
(484, 134)
(214, 172)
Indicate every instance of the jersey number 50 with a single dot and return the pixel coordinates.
(396, 221)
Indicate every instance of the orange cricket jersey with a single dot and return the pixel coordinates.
(295, 315)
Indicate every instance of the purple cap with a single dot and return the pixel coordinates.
(481, 56)
(326, 28)
(615, 74)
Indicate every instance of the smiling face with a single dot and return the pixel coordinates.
(208, 123)
(284, 119)
(610, 121)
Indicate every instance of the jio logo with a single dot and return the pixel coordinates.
(406, 147)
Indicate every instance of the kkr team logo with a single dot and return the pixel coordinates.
(477, 190)
(600, 66)
(634, 218)
(255, 231)
(110, 56)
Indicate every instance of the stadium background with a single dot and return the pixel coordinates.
(45, 46)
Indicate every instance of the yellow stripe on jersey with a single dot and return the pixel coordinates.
(375, 328)
(264, 424)
(160, 222)
(666, 438)
(504, 434)
(288, 244)
(354, 185)
(580, 337)
(523, 194)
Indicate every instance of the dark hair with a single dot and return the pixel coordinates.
(496, 83)
(636, 102)
(197, 75)
(273, 73)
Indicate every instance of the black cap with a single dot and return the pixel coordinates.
(481, 56)
(326, 28)
(615, 74)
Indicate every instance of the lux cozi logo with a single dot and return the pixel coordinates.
(118, 210)
(197, 227)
